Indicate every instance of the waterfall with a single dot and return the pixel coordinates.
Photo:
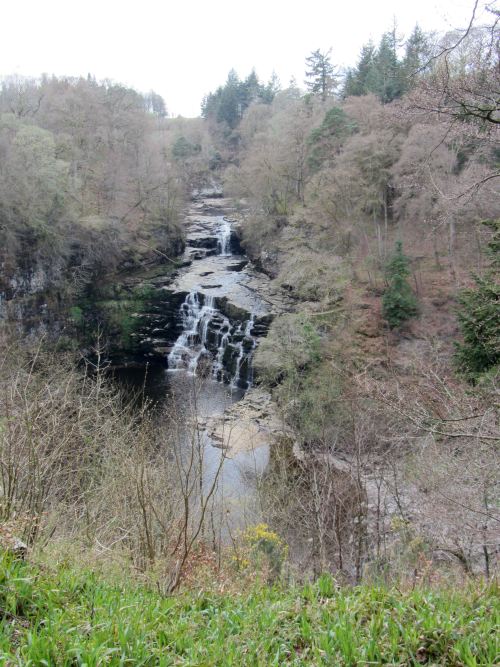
(206, 335)
(210, 344)
(224, 237)
(246, 347)
(190, 346)
(222, 343)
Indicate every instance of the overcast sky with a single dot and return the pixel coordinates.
(183, 49)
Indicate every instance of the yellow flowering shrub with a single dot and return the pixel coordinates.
(260, 542)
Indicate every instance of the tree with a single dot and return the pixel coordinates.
(399, 302)
(320, 75)
(229, 102)
(388, 69)
(182, 148)
(465, 75)
(326, 140)
(155, 104)
(361, 79)
(34, 185)
(417, 53)
(83, 170)
(479, 317)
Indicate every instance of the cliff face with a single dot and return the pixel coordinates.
(42, 292)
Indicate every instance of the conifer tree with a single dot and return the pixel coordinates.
(479, 317)
(229, 102)
(325, 140)
(362, 79)
(399, 303)
(320, 75)
(416, 59)
(388, 70)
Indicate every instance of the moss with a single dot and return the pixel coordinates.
(76, 315)
(116, 310)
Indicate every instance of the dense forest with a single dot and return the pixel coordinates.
(367, 204)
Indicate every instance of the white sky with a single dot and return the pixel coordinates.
(184, 49)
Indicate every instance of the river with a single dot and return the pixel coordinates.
(225, 306)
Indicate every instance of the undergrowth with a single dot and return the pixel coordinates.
(64, 615)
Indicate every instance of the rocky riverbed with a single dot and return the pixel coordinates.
(202, 324)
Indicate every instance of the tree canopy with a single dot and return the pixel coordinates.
(383, 71)
(229, 102)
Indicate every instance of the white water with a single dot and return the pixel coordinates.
(191, 344)
(201, 318)
(249, 341)
(224, 238)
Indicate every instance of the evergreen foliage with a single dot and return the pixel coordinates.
(183, 149)
(399, 302)
(388, 70)
(479, 317)
(325, 140)
(320, 75)
(382, 72)
(229, 101)
(361, 79)
(417, 55)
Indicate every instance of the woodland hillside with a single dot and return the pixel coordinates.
(359, 216)
(373, 203)
(92, 182)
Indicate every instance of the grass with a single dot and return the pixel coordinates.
(66, 616)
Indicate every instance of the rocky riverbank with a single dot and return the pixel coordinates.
(247, 425)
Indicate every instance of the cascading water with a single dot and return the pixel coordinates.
(190, 346)
(245, 352)
(224, 238)
(208, 339)
(205, 338)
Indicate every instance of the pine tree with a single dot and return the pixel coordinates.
(417, 55)
(229, 102)
(399, 303)
(479, 317)
(362, 79)
(389, 83)
(320, 74)
(325, 140)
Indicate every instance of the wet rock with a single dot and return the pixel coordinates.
(230, 310)
(210, 192)
(162, 350)
(237, 267)
(248, 424)
(208, 242)
(235, 244)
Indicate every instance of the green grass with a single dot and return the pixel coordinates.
(64, 616)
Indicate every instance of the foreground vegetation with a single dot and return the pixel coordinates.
(63, 616)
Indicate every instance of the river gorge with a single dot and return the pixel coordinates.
(193, 342)
(180, 332)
